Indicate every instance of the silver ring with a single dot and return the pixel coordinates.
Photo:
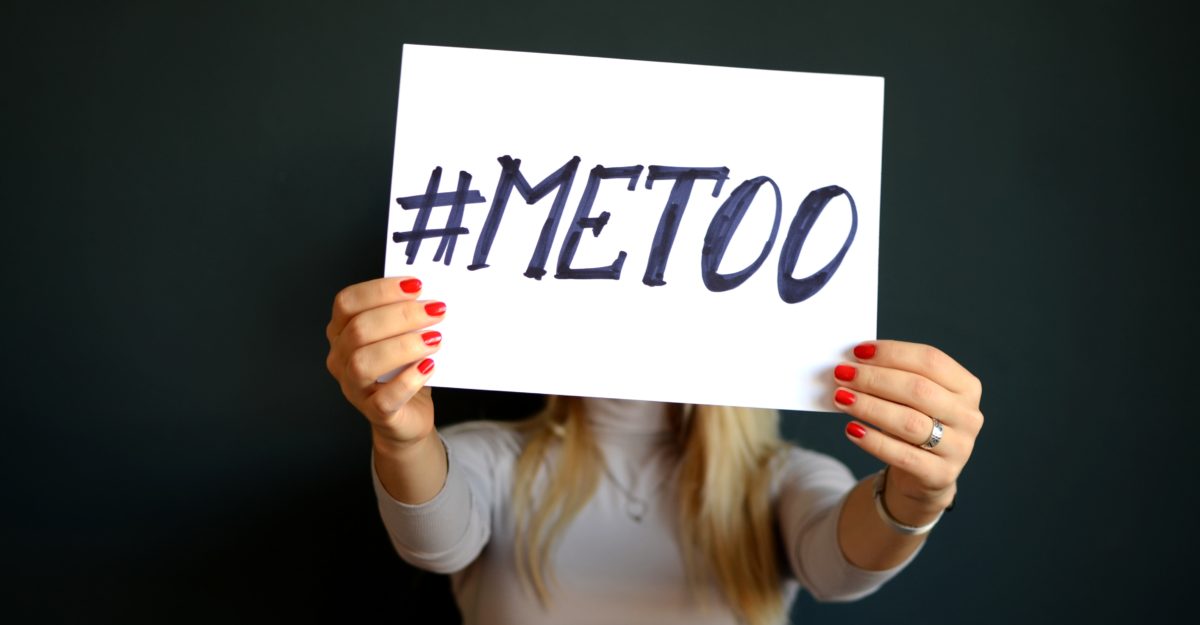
(935, 435)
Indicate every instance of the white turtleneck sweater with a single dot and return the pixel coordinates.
(611, 567)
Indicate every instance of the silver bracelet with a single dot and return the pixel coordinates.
(880, 481)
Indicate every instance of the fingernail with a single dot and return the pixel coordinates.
(435, 309)
(432, 338)
(426, 366)
(844, 397)
(864, 351)
(844, 372)
(856, 430)
(411, 285)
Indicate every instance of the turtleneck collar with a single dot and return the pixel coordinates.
(626, 418)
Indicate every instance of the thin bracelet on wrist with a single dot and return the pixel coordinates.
(881, 508)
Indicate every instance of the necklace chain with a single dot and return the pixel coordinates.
(635, 506)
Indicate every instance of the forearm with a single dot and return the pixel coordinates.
(414, 473)
(867, 540)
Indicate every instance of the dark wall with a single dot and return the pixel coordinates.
(187, 184)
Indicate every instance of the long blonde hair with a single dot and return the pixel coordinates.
(726, 526)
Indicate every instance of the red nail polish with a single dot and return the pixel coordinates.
(426, 366)
(864, 351)
(844, 372)
(844, 397)
(435, 309)
(432, 338)
(856, 430)
(411, 285)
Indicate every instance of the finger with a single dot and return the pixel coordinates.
(902, 387)
(357, 298)
(923, 360)
(366, 364)
(899, 421)
(931, 471)
(378, 324)
(389, 320)
(388, 398)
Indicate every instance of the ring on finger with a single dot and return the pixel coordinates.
(935, 435)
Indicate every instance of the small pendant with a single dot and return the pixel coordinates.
(636, 510)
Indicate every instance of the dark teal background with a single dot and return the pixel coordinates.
(185, 185)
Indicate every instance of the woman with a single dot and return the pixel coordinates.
(614, 511)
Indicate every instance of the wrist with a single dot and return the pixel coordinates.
(916, 509)
(907, 515)
(391, 447)
(911, 511)
(412, 472)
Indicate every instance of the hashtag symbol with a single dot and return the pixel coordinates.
(424, 205)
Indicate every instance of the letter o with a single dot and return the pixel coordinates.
(720, 230)
(792, 290)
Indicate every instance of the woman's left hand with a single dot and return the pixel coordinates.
(900, 388)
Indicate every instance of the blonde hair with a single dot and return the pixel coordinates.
(726, 527)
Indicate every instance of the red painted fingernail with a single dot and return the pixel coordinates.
(411, 285)
(844, 397)
(865, 351)
(435, 309)
(844, 372)
(856, 430)
(432, 338)
(426, 366)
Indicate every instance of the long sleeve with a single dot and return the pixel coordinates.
(446, 533)
(811, 491)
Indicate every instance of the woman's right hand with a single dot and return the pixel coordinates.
(379, 327)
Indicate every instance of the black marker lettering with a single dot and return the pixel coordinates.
(424, 204)
(595, 224)
(792, 290)
(510, 176)
(720, 230)
(668, 224)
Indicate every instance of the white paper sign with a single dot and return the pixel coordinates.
(638, 230)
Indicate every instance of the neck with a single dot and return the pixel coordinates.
(625, 418)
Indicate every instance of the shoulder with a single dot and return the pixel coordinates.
(483, 441)
(798, 468)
